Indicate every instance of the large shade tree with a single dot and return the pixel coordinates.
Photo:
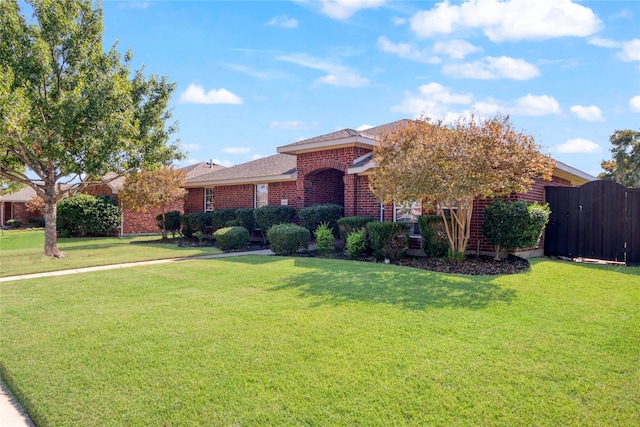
(68, 108)
(624, 168)
(450, 165)
(154, 189)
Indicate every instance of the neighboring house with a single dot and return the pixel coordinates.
(14, 206)
(144, 222)
(333, 168)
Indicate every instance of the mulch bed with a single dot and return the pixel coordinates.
(472, 265)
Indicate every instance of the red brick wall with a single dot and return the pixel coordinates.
(99, 190)
(308, 182)
(326, 186)
(279, 191)
(145, 222)
(18, 210)
(233, 196)
(194, 200)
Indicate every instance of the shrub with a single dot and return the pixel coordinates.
(434, 237)
(268, 216)
(36, 222)
(15, 223)
(186, 226)
(83, 215)
(287, 239)
(171, 222)
(232, 223)
(324, 238)
(220, 217)
(232, 237)
(313, 216)
(513, 225)
(349, 224)
(246, 219)
(356, 244)
(389, 239)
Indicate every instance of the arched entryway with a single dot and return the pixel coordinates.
(324, 186)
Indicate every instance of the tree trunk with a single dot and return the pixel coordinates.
(50, 229)
(163, 229)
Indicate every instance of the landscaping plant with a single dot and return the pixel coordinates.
(312, 217)
(287, 239)
(324, 238)
(389, 239)
(85, 215)
(268, 216)
(170, 223)
(356, 243)
(348, 224)
(230, 238)
(434, 236)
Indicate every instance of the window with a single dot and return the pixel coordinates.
(262, 195)
(208, 199)
(408, 212)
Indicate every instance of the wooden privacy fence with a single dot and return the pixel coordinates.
(600, 220)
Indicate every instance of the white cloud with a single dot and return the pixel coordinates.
(578, 146)
(343, 9)
(406, 51)
(283, 21)
(256, 156)
(630, 51)
(192, 147)
(531, 105)
(262, 75)
(338, 75)
(292, 125)
(196, 95)
(455, 48)
(600, 42)
(590, 114)
(432, 99)
(622, 14)
(364, 127)
(396, 20)
(236, 150)
(508, 20)
(493, 68)
(634, 104)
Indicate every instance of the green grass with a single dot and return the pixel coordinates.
(303, 341)
(21, 252)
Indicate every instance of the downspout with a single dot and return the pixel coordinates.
(122, 219)
(381, 212)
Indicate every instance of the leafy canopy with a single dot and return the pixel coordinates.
(68, 109)
(625, 166)
(450, 165)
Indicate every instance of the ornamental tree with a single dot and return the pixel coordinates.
(625, 166)
(70, 110)
(450, 165)
(154, 189)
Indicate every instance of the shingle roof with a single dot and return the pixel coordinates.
(200, 169)
(25, 194)
(279, 164)
(370, 133)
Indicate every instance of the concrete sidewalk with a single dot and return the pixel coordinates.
(11, 413)
(129, 264)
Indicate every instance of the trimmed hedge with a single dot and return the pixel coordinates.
(313, 216)
(229, 238)
(197, 221)
(434, 237)
(389, 239)
(171, 222)
(349, 224)
(514, 225)
(268, 216)
(287, 239)
(85, 215)
(246, 219)
(220, 217)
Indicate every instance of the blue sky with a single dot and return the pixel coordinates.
(255, 75)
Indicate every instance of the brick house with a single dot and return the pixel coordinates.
(334, 168)
(14, 206)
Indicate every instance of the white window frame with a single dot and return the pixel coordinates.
(257, 188)
(410, 211)
(209, 199)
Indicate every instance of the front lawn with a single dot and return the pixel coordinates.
(21, 252)
(303, 341)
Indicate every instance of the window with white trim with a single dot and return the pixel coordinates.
(262, 195)
(408, 212)
(208, 199)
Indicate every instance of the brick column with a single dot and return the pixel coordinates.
(350, 194)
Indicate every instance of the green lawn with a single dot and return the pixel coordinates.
(21, 252)
(304, 341)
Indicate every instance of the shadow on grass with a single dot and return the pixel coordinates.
(339, 282)
(632, 270)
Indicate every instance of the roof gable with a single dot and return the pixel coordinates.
(279, 167)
